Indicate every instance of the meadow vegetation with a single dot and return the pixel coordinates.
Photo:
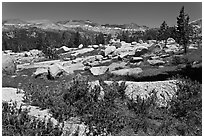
(111, 113)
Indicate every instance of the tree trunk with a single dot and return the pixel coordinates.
(185, 48)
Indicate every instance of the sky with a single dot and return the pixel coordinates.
(151, 14)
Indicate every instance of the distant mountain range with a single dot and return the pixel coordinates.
(70, 24)
(24, 35)
(80, 24)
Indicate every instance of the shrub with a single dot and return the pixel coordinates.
(186, 106)
(145, 110)
(182, 116)
(50, 53)
(17, 122)
(106, 116)
(115, 113)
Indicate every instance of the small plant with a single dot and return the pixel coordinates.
(17, 122)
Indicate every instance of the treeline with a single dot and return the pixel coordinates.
(183, 33)
(34, 38)
(150, 34)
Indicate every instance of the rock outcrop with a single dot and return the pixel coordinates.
(136, 59)
(99, 70)
(40, 72)
(73, 127)
(129, 71)
(55, 70)
(8, 65)
(164, 90)
(156, 62)
(109, 50)
(80, 46)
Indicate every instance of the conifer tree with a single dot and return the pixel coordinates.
(183, 29)
(163, 32)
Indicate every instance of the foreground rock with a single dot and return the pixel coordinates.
(95, 46)
(40, 72)
(126, 49)
(99, 70)
(172, 48)
(11, 95)
(80, 46)
(136, 59)
(55, 70)
(81, 51)
(170, 41)
(74, 127)
(44, 64)
(109, 50)
(164, 90)
(98, 57)
(155, 62)
(8, 64)
(73, 67)
(129, 72)
(125, 54)
(71, 127)
(134, 43)
(62, 49)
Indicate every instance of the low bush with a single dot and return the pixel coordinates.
(17, 122)
(186, 106)
(106, 110)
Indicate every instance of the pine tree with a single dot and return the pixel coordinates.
(163, 33)
(183, 29)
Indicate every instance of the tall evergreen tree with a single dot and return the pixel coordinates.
(183, 29)
(163, 33)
